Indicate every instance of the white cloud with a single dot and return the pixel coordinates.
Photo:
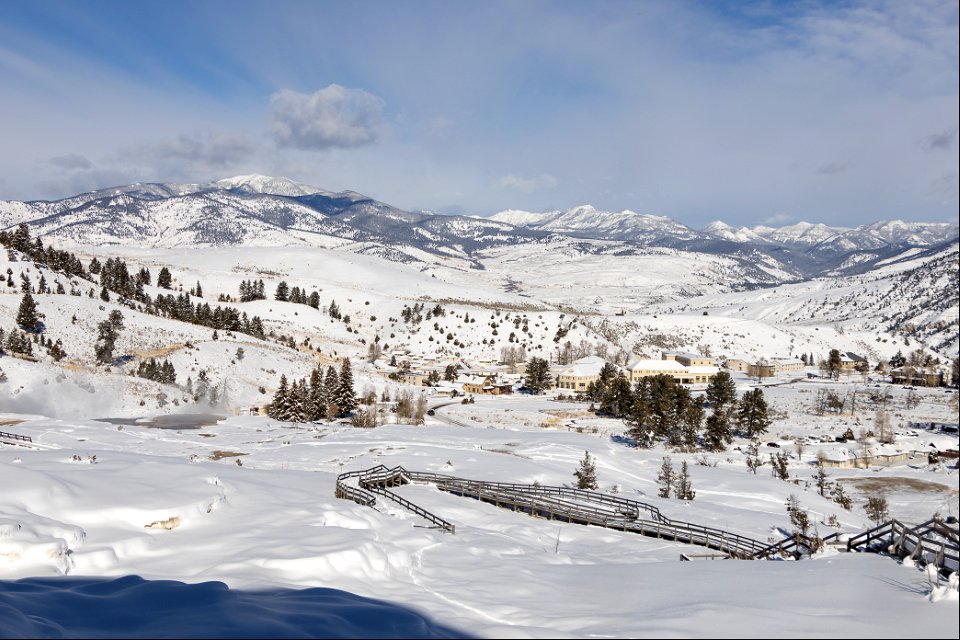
(332, 117)
(527, 185)
(188, 157)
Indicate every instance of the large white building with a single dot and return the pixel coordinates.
(686, 368)
(578, 376)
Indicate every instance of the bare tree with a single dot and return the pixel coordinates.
(877, 509)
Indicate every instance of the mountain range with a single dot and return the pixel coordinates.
(256, 210)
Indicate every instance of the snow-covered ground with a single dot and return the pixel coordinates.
(83, 500)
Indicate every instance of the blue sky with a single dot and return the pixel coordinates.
(750, 112)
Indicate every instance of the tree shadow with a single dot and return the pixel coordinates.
(131, 607)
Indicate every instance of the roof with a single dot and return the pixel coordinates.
(590, 360)
(585, 367)
(657, 365)
(683, 354)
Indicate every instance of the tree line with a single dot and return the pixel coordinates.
(323, 395)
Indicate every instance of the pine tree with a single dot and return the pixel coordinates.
(317, 409)
(840, 496)
(722, 391)
(346, 399)
(779, 466)
(834, 363)
(107, 333)
(331, 383)
(752, 416)
(164, 280)
(683, 487)
(537, 376)
(717, 434)
(722, 395)
(279, 408)
(639, 418)
(754, 461)
(27, 316)
(586, 475)
(821, 479)
(283, 292)
(666, 477)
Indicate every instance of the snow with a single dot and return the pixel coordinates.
(273, 524)
(103, 501)
(131, 607)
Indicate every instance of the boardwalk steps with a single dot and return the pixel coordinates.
(932, 542)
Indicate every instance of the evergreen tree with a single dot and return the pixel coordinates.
(752, 418)
(779, 466)
(346, 399)
(27, 316)
(753, 460)
(331, 382)
(617, 398)
(683, 487)
(280, 407)
(722, 391)
(821, 479)
(586, 475)
(283, 292)
(692, 422)
(666, 477)
(840, 496)
(317, 409)
(107, 333)
(537, 376)
(834, 363)
(164, 280)
(639, 418)
(717, 434)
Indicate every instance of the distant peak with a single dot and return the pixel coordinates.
(258, 183)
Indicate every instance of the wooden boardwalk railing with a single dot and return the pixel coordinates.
(552, 502)
(932, 542)
(14, 437)
(929, 543)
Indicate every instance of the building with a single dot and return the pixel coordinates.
(849, 361)
(688, 359)
(761, 369)
(775, 367)
(578, 376)
(416, 378)
(486, 385)
(737, 363)
(672, 365)
(788, 365)
(922, 377)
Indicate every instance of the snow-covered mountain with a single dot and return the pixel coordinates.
(258, 210)
(586, 221)
(823, 239)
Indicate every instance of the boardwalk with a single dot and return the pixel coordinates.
(931, 543)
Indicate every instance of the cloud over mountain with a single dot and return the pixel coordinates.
(332, 117)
